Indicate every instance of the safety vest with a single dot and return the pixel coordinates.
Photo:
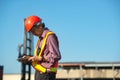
(37, 65)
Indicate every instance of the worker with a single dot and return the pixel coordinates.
(47, 53)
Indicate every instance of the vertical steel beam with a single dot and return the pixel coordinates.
(27, 50)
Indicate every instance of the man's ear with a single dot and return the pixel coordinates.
(40, 26)
(43, 24)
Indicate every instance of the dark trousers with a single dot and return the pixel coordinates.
(44, 76)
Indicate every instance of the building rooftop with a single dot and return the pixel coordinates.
(89, 64)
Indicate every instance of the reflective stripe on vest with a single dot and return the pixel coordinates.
(37, 65)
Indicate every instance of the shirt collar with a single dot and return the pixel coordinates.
(44, 32)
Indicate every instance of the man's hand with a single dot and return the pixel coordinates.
(35, 58)
(24, 59)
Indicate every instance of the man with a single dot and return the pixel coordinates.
(47, 54)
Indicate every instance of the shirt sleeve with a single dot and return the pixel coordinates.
(52, 49)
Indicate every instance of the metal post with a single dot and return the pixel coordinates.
(24, 53)
(19, 50)
(81, 75)
(25, 42)
(113, 69)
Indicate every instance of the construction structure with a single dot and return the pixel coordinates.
(27, 50)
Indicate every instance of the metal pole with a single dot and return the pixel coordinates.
(81, 75)
(19, 50)
(113, 68)
(24, 53)
(25, 41)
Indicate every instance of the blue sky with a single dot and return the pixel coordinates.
(88, 30)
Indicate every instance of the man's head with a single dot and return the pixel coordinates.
(34, 25)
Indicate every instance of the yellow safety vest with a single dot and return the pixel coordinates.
(37, 65)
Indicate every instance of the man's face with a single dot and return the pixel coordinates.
(36, 31)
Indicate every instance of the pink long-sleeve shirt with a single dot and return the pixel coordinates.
(51, 52)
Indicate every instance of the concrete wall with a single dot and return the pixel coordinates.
(74, 73)
(89, 73)
(14, 77)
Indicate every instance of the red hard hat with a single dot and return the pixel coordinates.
(30, 21)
